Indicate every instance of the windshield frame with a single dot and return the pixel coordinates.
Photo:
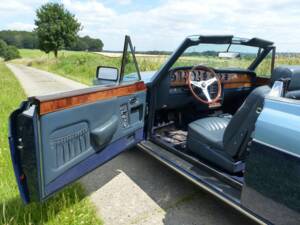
(209, 54)
(264, 47)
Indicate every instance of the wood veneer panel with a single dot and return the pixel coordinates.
(238, 78)
(262, 81)
(57, 103)
(238, 85)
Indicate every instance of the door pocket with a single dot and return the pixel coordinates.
(69, 143)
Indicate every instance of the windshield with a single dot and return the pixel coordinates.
(218, 56)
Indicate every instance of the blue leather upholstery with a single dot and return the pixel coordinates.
(205, 139)
(292, 72)
(293, 95)
(223, 141)
(209, 130)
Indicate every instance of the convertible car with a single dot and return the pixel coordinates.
(217, 112)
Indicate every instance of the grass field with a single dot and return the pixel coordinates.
(69, 207)
(81, 66)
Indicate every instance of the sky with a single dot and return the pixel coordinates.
(163, 24)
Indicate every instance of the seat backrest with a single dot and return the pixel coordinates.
(241, 125)
(293, 89)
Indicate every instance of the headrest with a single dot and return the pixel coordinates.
(291, 72)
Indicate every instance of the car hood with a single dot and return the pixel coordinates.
(146, 76)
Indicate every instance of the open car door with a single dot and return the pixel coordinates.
(56, 139)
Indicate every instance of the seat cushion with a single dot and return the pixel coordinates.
(209, 130)
(205, 139)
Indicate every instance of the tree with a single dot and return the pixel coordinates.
(3, 48)
(20, 39)
(8, 52)
(11, 53)
(29, 40)
(93, 44)
(79, 45)
(56, 27)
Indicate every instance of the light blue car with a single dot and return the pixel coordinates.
(231, 131)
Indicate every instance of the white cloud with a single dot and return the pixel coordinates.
(124, 2)
(18, 14)
(20, 26)
(165, 25)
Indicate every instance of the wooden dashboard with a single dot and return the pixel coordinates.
(228, 79)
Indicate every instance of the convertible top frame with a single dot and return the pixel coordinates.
(230, 39)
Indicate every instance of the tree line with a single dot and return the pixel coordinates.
(29, 40)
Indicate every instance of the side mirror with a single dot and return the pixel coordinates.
(106, 73)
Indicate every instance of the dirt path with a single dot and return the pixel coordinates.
(134, 188)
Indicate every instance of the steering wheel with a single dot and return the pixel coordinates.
(199, 86)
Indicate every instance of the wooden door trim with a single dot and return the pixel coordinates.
(66, 100)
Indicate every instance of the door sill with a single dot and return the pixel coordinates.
(212, 184)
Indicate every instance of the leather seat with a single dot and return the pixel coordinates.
(223, 141)
(209, 130)
(293, 73)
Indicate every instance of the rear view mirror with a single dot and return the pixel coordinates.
(229, 55)
(107, 73)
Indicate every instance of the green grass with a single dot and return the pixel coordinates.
(28, 53)
(80, 66)
(68, 207)
(33, 54)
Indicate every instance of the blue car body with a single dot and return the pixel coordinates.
(56, 139)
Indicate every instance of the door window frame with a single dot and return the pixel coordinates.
(128, 43)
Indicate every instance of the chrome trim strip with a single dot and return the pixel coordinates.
(276, 148)
(207, 167)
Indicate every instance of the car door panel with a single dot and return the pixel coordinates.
(75, 132)
(68, 136)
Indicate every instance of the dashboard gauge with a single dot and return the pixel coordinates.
(185, 76)
(178, 75)
(209, 75)
(181, 76)
(220, 76)
(200, 75)
(196, 75)
(204, 76)
(193, 77)
(173, 77)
